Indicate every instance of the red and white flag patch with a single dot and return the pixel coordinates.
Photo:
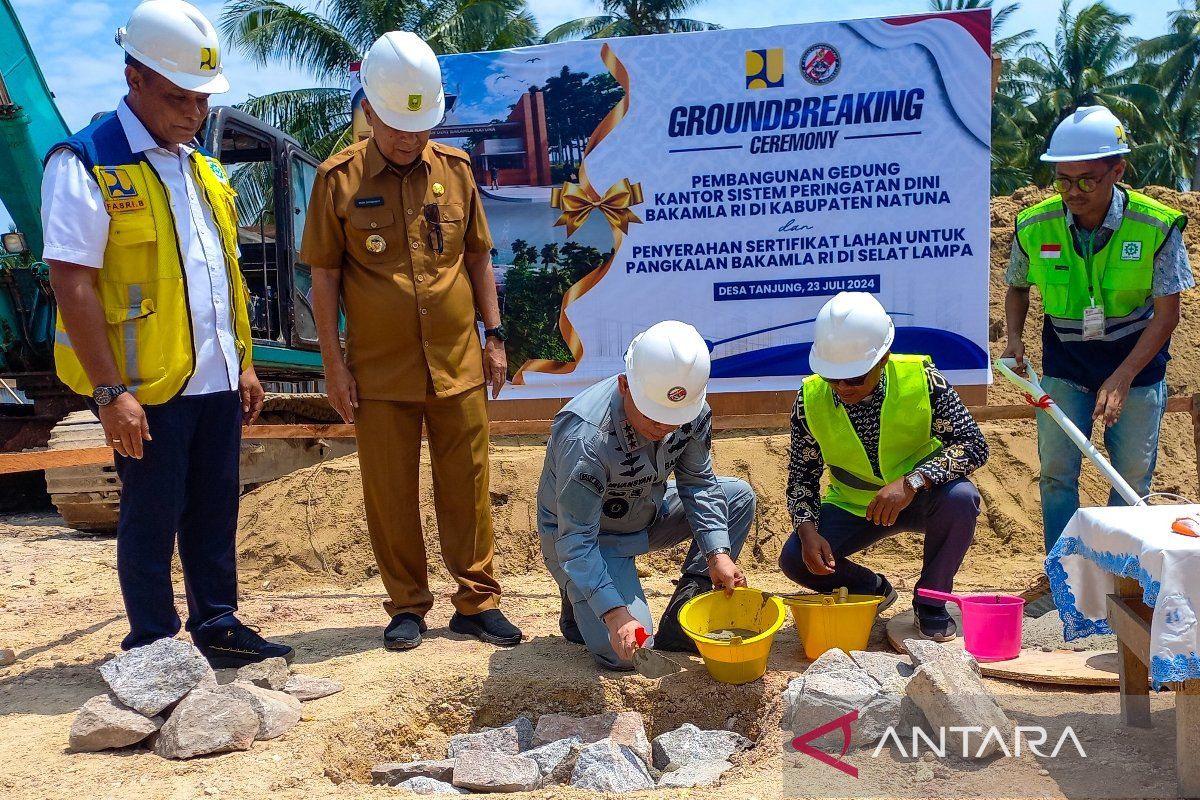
(1051, 251)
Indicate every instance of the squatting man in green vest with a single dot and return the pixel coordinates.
(1109, 264)
(141, 238)
(898, 444)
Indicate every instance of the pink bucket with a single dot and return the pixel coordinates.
(991, 623)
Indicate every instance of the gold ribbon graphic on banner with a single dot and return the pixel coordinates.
(579, 200)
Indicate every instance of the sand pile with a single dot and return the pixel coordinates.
(309, 527)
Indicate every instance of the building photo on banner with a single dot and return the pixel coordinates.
(625, 181)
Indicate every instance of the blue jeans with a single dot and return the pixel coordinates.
(1132, 445)
(619, 550)
(185, 486)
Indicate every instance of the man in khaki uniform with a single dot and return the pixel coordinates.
(396, 231)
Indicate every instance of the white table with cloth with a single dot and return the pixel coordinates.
(1123, 570)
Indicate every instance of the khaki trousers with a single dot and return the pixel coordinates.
(389, 452)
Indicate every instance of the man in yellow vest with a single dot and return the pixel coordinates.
(898, 444)
(141, 238)
(1109, 264)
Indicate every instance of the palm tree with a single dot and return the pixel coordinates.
(1173, 64)
(327, 41)
(1000, 46)
(1090, 64)
(631, 18)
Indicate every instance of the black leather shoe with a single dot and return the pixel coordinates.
(404, 632)
(238, 646)
(566, 620)
(669, 634)
(489, 626)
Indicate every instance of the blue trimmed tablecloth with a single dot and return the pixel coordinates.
(1138, 543)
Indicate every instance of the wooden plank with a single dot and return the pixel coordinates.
(1132, 627)
(1187, 739)
(338, 431)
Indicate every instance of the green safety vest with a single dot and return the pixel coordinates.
(1118, 276)
(904, 433)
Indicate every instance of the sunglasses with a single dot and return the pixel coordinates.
(856, 382)
(433, 216)
(1087, 184)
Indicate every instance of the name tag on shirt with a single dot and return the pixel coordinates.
(1093, 323)
(368, 202)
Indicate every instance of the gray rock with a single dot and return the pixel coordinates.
(608, 766)
(207, 722)
(561, 774)
(524, 728)
(625, 727)
(269, 674)
(687, 744)
(924, 651)
(832, 660)
(485, 771)
(813, 700)
(419, 784)
(953, 696)
(494, 740)
(889, 671)
(104, 723)
(700, 773)
(7, 656)
(150, 678)
(277, 712)
(305, 687)
(394, 772)
(549, 756)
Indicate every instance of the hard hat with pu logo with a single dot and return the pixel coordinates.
(1091, 132)
(403, 81)
(178, 42)
(667, 367)
(851, 335)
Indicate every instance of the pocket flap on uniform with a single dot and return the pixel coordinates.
(1057, 273)
(371, 218)
(1125, 278)
(450, 212)
(132, 228)
(115, 316)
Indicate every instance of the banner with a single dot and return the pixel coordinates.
(735, 180)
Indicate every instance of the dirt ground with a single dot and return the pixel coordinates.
(308, 578)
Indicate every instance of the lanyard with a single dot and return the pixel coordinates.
(1087, 242)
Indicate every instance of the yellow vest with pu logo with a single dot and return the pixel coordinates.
(143, 287)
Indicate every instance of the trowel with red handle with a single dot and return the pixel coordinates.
(651, 664)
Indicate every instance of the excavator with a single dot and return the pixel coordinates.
(273, 175)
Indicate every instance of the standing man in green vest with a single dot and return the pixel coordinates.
(141, 238)
(1109, 264)
(898, 443)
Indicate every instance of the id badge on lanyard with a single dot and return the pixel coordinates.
(1093, 315)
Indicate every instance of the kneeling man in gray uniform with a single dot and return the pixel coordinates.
(604, 497)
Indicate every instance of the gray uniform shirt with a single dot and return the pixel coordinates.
(601, 479)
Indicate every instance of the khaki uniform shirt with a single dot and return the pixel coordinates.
(410, 311)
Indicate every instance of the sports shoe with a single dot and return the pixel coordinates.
(404, 631)
(566, 620)
(237, 646)
(887, 592)
(936, 626)
(489, 626)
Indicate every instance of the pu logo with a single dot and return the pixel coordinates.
(414, 102)
(764, 68)
(209, 58)
(118, 184)
(1121, 138)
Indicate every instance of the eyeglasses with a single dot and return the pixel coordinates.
(1087, 184)
(433, 216)
(859, 381)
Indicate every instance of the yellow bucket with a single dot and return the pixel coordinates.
(739, 659)
(823, 623)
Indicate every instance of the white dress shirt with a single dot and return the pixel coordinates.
(75, 224)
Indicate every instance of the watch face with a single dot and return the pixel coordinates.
(100, 396)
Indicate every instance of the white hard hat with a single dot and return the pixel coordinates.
(667, 369)
(403, 81)
(852, 334)
(1091, 132)
(178, 42)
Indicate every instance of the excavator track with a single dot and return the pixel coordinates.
(88, 498)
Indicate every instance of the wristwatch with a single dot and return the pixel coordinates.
(103, 395)
(717, 552)
(497, 332)
(915, 480)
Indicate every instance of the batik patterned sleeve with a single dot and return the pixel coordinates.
(805, 466)
(964, 449)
